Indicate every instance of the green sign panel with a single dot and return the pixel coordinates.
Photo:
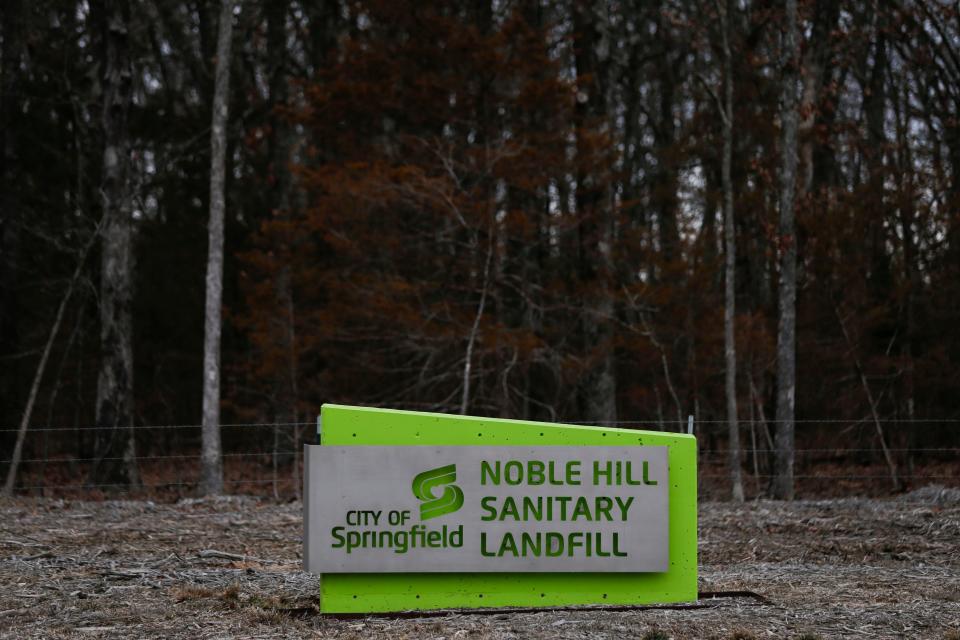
(408, 510)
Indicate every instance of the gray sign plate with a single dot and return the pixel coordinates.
(372, 509)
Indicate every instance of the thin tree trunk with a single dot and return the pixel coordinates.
(753, 447)
(115, 447)
(874, 414)
(911, 268)
(665, 200)
(10, 29)
(41, 367)
(212, 458)
(783, 488)
(294, 373)
(665, 366)
(758, 403)
(10, 48)
(55, 392)
(730, 261)
(472, 338)
(274, 462)
(874, 156)
(591, 49)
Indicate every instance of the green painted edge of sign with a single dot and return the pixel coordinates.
(372, 593)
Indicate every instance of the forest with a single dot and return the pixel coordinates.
(613, 212)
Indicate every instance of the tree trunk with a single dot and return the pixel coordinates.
(666, 179)
(212, 460)
(786, 330)
(880, 279)
(475, 329)
(912, 272)
(281, 144)
(326, 23)
(10, 28)
(42, 366)
(730, 262)
(871, 402)
(115, 449)
(591, 57)
(281, 139)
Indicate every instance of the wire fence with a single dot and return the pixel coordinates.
(656, 424)
(264, 457)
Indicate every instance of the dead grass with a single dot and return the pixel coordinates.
(230, 568)
(189, 592)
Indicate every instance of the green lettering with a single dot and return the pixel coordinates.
(518, 476)
(531, 508)
(527, 541)
(604, 505)
(581, 510)
(535, 473)
(353, 540)
(509, 508)
(554, 544)
(646, 472)
(401, 541)
(624, 506)
(483, 546)
(484, 504)
(574, 540)
(616, 546)
(600, 552)
(598, 473)
(508, 544)
(553, 473)
(487, 471)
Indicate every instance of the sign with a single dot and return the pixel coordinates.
(411, 479)
(487, 509)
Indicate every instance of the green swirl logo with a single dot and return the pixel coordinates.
(448, 500)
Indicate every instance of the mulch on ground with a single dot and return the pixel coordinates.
(230, 568)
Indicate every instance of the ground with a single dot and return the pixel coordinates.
(230, 568)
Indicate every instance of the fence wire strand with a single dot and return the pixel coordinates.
(185, 456)
(713, 459)
(138, 487)
(703, 453)
(637, 423)
(163, 426)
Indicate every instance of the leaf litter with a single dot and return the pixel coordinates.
(231, 568)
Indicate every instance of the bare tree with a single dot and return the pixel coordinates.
(475, 328)
(730, 257)
(42, 367)
(115, 458)
(786, 328)
(591, 44)
(212, 460)
(895, 480)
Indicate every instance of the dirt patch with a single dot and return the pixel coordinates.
(230, 568)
